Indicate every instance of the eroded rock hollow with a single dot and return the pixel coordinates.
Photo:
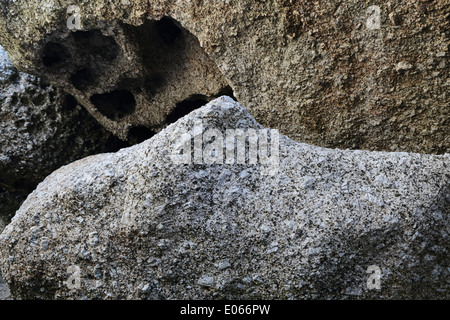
(41, 129)
(349, 75)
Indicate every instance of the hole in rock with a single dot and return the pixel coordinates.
(38, 99)
(14, 99)
(93, 42)
(227, 91)
(83, 79)
(114, 105)
(55, 54)
(131, 83)
(139, 134)
(69, 103)
(169, 54)
(14, 77)
(153, 82)
(194, 102)
(185, 107)
(168, 30)
(151, 40)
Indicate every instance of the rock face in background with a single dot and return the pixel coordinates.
(135, 225)
(133, 79)
(329, 73)
(41, 129)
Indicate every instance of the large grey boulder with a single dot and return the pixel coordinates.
(348, 74)
(41, 129)
(321, 223)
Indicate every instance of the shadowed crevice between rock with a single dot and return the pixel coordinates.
(114, 105)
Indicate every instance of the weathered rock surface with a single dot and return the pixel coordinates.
(134, 224)
(118, 70)
(4, 291)
(330, 73)
(41, 129)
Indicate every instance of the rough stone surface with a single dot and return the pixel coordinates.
(139, 226)
(118, 70)
(4, 291)
(323, 72)
(41, 129)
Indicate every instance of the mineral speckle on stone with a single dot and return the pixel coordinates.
(153, 229)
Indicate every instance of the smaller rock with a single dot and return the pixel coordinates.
(206, 281)
(403, 66)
